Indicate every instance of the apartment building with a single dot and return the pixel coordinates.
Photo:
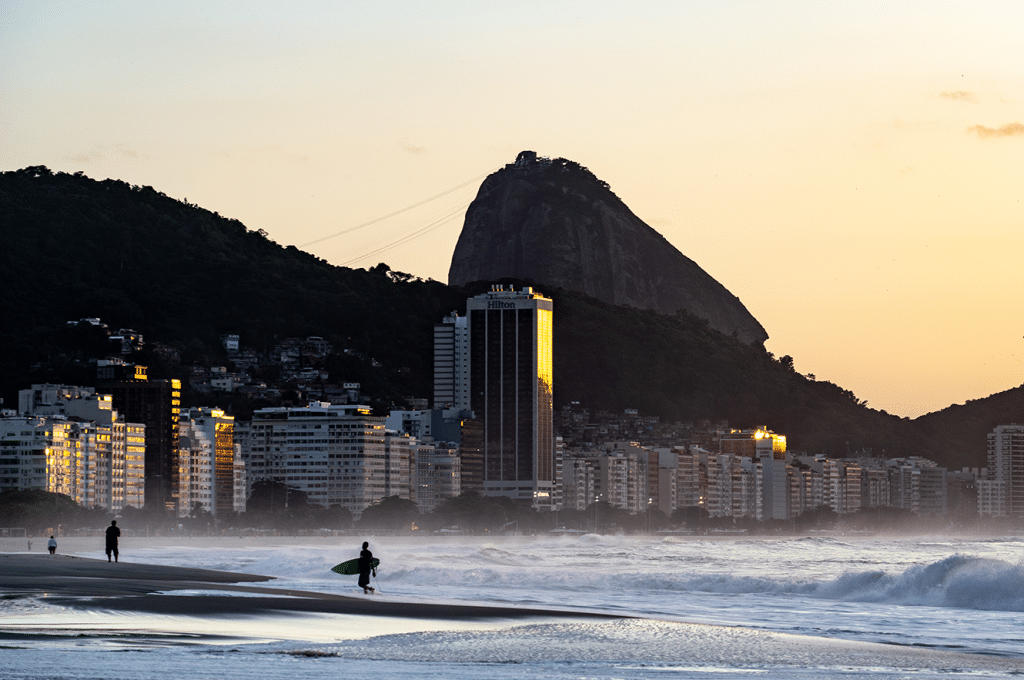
(206, 475)
(1004, 488)
(335, 453)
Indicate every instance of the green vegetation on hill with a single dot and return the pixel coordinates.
(681, 369)
(182, 276)
(74, 247)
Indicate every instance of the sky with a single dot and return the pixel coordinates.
(852, 171)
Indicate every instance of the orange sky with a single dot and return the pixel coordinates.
(851, 171)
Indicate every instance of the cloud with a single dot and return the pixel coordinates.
(87, 157)
(411, 148)
(958, 96)
(1008, 130)
(101, 153)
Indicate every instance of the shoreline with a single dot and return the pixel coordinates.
(233, 608)
(88, 583)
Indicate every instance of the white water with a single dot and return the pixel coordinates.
(912, 594)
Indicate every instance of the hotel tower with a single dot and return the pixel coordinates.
(510, 379)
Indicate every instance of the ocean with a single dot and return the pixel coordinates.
(793, 607)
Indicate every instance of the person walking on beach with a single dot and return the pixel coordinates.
(52, 545)
(365, 567)
(113, 533)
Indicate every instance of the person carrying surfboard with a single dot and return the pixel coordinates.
(366, 566)
(358, 566)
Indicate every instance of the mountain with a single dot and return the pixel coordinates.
(554, 223)
(75, 248)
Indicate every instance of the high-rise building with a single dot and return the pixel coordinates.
(1006, 470)
(471, 455)
(510, 366)
(399, 464)
(436, 474)
(97, 458)
(455, 427)
(240, 483)
(47, 399)
(27, 453)
(157, 405)
(754, 444)
(334, 453)
(578, 480)
(442, 425)
(766, 452)
(451, 363)
(206, 462)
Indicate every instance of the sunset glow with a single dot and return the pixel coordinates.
(851, 171)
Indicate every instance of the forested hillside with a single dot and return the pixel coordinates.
(182, 275)
(74, 247)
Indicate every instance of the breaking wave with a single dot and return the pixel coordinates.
(958, 581)
(601, 569)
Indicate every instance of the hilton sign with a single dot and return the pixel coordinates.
(500, 304)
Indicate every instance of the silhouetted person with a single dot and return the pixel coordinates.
(113, 533)
(52, 545)
(365, 567)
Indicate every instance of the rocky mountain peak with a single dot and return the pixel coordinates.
(554, 222)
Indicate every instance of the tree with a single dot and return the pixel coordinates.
(36, 510)
(692, 517)
(650, 520)
(335, 517)
(390, 514)
(821, 517)
(199, 519)
(607, 517)
(471, 511)
(269, 495)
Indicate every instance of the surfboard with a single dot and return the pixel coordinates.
(351, 567)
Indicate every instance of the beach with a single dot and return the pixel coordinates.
(82, 582)
(459, 609)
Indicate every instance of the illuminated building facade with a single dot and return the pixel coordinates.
(206, 462)
(510, 359)
(753, 443)
(766, 452)
(157, 405)
(92, 455)
(131, 439)
(24, 445)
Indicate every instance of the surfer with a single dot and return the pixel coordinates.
(366, 567)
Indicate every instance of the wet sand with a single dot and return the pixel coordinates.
(89, 583)
(93, 584)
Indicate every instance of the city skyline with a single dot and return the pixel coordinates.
(847, 170)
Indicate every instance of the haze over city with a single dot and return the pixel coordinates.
(850, 171)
